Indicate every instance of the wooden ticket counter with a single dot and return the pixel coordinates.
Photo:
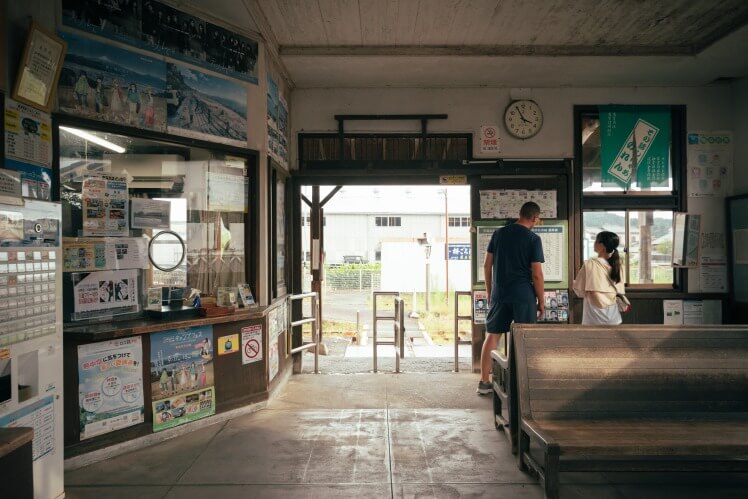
(237, 379)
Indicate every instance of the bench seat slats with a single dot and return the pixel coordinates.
(706, 354)
(629, 393)
(558, 364)
(623, 407)
(647, 437)
(613, 395)
(691, 375)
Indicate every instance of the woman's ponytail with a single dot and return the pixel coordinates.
(610, 242)
(615, 266)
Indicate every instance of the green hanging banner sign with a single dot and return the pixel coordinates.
(635, 146)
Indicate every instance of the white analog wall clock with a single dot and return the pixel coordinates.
(523, 118)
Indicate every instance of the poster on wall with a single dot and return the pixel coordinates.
(205, 107)
(28, 134)
(552, 237)
(227, 192)
(108, 290)
(182, 382)
(554, 240)
(87, 254)
(105, 206)
(556, 305)
(273, 359)
(635, 146)
(36, 181)
(10, 187)
(150, 214)
(506, 203)
(480, 306)
(41, 417)
(277, 123)
(110, 386)
(165, 30)
(710, 163)
(251, 344)
(107, 83)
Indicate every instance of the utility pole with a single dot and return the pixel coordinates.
(446, 248)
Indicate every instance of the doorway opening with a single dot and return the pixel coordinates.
(410, 239)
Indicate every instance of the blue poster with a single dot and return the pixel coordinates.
(107, 83)
(205, 107)
(182, 376)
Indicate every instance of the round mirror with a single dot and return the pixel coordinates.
(166, 251)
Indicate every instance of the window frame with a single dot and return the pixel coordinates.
(251, 221)
(628, 201)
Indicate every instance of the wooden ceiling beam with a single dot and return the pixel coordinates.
(271, 41)
(485, 50)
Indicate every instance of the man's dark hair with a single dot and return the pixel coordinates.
(529, 210)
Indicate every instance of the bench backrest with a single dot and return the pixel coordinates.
(644, 371)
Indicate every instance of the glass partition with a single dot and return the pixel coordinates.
(197, 199)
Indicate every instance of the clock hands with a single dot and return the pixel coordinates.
(522, 116)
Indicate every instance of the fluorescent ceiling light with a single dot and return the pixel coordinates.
(93, 138)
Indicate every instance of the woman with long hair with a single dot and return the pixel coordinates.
(599, 280)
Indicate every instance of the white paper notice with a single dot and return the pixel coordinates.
(506, 203)
(710, 163)
(28, 134)
(483, 237)
(693, 312)
(150, 214)
(480, 306)
(673, 312)
(10, 187)
(552, 237)
(105, 206)
(106, 290)
(713, 278)
(713, 248)
(86, 254)
(41, 417)
(251, 344)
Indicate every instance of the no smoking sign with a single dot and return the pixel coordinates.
(489, 139)
(251, 344)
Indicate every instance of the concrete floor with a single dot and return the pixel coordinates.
(363, 435)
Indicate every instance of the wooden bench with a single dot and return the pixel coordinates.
(505, 390)
(633, 398)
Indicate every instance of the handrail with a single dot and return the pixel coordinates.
(399, 330)
(459, 318)
(376, 318)
(314, 319)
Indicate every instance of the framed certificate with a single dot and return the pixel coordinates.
(40, 68)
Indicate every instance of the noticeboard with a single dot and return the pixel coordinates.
(555, 237)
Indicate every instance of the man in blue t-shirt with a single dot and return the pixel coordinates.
(514, 282)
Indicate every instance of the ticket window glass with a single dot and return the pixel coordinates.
(196, 198)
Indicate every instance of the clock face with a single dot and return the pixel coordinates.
(523, 118)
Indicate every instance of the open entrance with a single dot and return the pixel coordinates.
(411, 241)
